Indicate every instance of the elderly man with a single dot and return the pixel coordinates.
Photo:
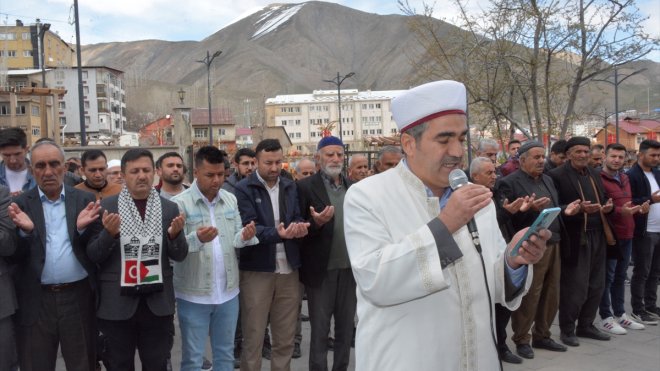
(269, 281)
(388, 157)
(557, 156)
(55, 278)
(94, 167)
(425, 300)
(596, 156)
(326, 269)
(304, 168)
(583, 243)
(539, 306)
(488, 148)
(482, 171)
(137, 235)
(358, 168)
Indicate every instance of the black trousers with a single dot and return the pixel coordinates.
(644, 281)
(502, 317)
(8, 356)
(66, 320)
(151, 335)
(582, 283)
(335, 296)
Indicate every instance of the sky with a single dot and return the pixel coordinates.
(176, 20)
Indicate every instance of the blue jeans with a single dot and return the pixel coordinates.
(197, 321)
(614, 293)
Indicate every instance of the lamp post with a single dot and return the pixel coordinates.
(616, 96)
(182, 95)
(42, 32)
(337, 81)
(207, 61)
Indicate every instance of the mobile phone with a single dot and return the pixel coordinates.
(543, 221)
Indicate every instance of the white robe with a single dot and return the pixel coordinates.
(414, 315)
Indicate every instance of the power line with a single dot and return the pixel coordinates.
(31, 16)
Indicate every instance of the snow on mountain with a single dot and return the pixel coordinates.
(273, 18)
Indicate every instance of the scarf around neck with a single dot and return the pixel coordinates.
(141, 244)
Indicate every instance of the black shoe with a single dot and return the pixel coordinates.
(207, 365)
(265, 351)
(331, 344)
(592, 332)
(569, 339)
(304, 317)
(548, 344)
(654, 312)
(525, 351)
(296, 351)
(508, 357)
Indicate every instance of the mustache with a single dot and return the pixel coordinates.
(451, 160)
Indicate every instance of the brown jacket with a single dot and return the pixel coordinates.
(110, 189)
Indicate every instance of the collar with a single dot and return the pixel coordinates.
(200, 196)
(43, 197)
(99, 189)
(445, 195)
(327, 179)
(262, 181)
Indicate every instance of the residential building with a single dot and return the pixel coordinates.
(104, 100)
(20, 47)
(308, 117)
(632, 131)
(158, 133)
(222, 124)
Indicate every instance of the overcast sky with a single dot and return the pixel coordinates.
(175, 20)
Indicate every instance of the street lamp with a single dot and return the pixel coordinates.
(207, 61)
(182, 95)
(337, 81)
(42, 32)
(616, 96)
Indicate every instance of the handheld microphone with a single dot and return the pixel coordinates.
(457, 179)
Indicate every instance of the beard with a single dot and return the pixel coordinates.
(332, 171)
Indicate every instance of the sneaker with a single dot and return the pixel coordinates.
(654, 312)
(644, 318)
(207, 365)
(611, 326)
(627, 323)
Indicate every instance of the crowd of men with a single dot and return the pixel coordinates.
(96, 258)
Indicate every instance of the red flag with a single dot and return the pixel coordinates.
(131, 273)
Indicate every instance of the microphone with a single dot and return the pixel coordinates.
(457, 179)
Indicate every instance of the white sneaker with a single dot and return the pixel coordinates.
(625, 322)
(611, 326)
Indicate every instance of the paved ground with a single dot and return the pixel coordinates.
(638, 351)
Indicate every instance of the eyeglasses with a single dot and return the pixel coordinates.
(307, 173)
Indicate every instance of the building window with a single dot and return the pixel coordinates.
(4, 110)
(311, 121)
(222, 132)
(312, 134)
(36, 131)
(298, 122)
(379, 131)
(7, 53)
(298, 135)
(85, 74)
(62, 121)
(296, 109)
(365, 132)
(201, 133)
(86, 104)
(377, 105)
(364, 106)
(283, 109)
(283, 122)
(20, 110)
(35, 111)
(85, 90)
(8, 36)
(88, 120)
(372, 131)
(25, 36)
(62, 105)
(27, 53)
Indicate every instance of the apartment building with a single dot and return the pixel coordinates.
(20, 47)
(308, 117)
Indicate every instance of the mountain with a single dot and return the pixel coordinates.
(290, 49)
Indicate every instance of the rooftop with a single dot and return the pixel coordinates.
(322, 96)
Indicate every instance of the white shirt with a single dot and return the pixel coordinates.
(219, 294)
(16, 179)
(281, 263)
(653, 224)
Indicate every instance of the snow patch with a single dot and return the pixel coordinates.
(273, 18)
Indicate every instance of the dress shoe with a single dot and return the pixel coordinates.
(304, 317)
(331, 343)
(592, 332)
(525, 351)
(548, 344)
(508, 357)
(569, 339)
(266, 351)
(297, 353)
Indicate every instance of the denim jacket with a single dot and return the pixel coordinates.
(29, 179)
(194, 275)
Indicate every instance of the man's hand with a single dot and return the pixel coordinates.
(655, 197)
(540, 204)
(646, 206)
(609, 205)
(176, 226)
(324, 216)
(249, 231)
(531, 250)
(629, 209)
(294, 230)
(572, 208)
(589, 207)
(514, 206)
(206, 234)
(111, 222)
(89, 214)
(21, 219)
(463, 204)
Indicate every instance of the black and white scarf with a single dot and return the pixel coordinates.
(141, 245)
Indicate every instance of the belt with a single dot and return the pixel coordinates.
(57, 287)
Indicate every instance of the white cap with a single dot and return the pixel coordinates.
(113, 163)
(426, 102)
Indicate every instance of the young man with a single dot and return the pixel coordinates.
(206, 281)
(512, 163)
(269, 281)
(171, 171)
(15, 172)
(244, 163)
(94, 168)
(557, 156)
(617, 187)
(135, 238)
(644, 184)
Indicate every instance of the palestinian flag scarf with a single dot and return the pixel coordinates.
(141, 245)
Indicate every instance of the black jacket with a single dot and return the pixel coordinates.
(641, 192)
(255, 205)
